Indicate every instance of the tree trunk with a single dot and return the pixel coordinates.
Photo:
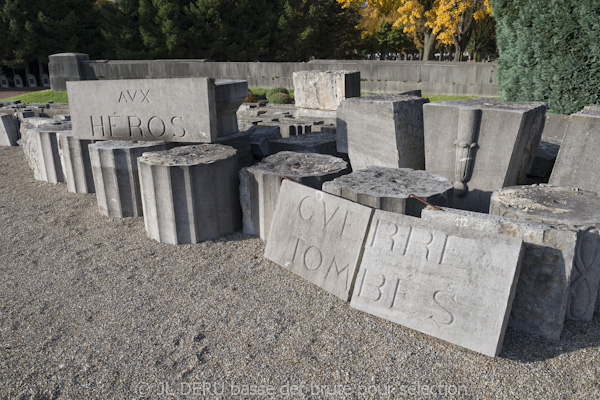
(429, 46)
(457, 51)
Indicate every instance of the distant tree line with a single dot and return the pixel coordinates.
(221, 30)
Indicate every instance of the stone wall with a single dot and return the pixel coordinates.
(432, 77)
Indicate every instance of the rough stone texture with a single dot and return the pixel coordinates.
(542, 294)
(321, 143)
(37, 121)
(455, 284)
(62, 117)
(40, 146)
(324, 90)
(389, 189)
(571, 208)
(65, 67)
(382, 130)
(9, 133)
(76, 163)
(318, 237)
(259, 184)
(545, 157)
(577, 162)
(176, 110)
(241, 143)
(260, 136)
(190, 193)
(116, 178)
(481, 145)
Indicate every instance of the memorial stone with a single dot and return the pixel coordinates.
(455, 284)
(175, 110)
(389, 189)
(178, 207)
(321, 143)
(17, 81)
(116, 178)
(542, 294)
(259, 184)
(318, 237)
(45, 80)
(40, 145)
(31, 81)
(383, 131)
(571, 208)
(4, 81)
(481, 145)
(9, 134)
(577, 162)
(76, 163)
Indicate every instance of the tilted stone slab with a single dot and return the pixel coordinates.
(190, 193)
(40, 146)
(382, 131)
(570, 208)
(174, 110)
(542, 295)
(76, 163)
(455, 284)
(259, 184)
(9, 133)
(481, 145)
(389, 189)
(116, 177)
(577, 161)
(318, 236)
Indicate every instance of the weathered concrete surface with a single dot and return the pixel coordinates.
(455, 284)
(389, 189)
(319, 93)
(9, 133)
(260, 136)
(40, 145)
(76, 163)
(116, 178)
(577, 162)
(241, 143)
(175, 110)
(545, 157)
(318, 237)
(190, 193)
(542, 294)
(481, 145)
(259, 184)
(382, 130)
(571, 208)
(321, 143)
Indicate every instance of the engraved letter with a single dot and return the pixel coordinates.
(377, 277)
(400, 295)
(449, 318)
(132, 97)
(312, 264)
(94, 126)
(111, 125)
(466, 146)
(145, 99)
(339, 271)
(306, 216)
(138, 126)
(326, 220)
(122, 97)
(180, 126)
(381, 234)
(159, 122)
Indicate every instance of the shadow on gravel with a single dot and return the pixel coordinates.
(527, 348)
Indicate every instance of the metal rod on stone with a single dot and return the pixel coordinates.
(425, 202)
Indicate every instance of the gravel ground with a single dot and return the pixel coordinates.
(93, 308)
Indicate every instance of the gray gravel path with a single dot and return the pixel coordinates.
(92, 308)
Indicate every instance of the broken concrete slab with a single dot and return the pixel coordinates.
(455, 284)
(76, 163)
(260, 136)
(318, 236)
(319, 93)
(390, 189)
(40, 146)
(9, 134)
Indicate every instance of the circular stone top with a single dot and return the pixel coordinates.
(392, 182)
(189, 155)
(124, 144)
(292, 164)
(548, 204)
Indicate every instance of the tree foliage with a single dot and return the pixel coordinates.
(549, 51)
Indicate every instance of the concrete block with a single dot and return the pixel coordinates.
(116, 178)
(4, 82)
(321, 143)
(542, 294)
(175, 110)
(178, 205)
(259, 184)
(241, 143)
(455, 284)
(260, 136)
(31, 80)
(576, 164)
(40, 146)
(382, 131)
(76, 163)
(481, 145)
(9, 134)
(555, 126)
(324, 90)
(389, 189)
(318, 237)
(570, 208)
(545, 157)
(65, 67)
(18, 81)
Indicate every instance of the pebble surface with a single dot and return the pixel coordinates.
(90, 307)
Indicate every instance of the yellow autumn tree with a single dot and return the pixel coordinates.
(425, 21)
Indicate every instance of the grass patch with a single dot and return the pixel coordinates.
(42, 96)
(261, 93)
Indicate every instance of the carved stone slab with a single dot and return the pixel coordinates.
(455, 284)
(173, 110)
(318, 236)
(543, 290)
